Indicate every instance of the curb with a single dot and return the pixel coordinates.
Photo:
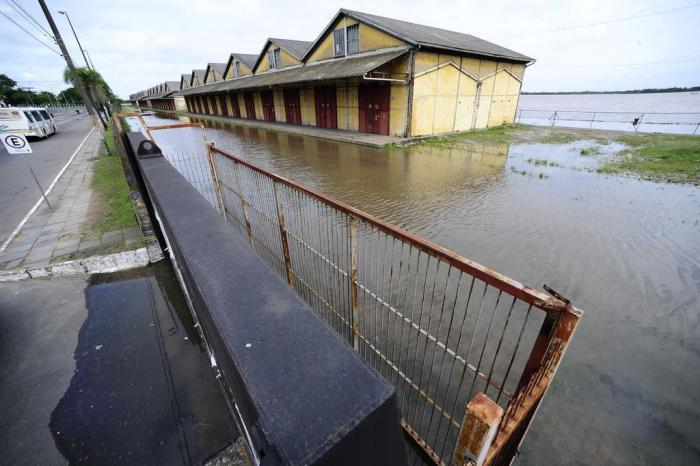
(97, 264)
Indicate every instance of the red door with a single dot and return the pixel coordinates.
(234, 106)
(268, 105)
(249, 105)
(326, 107)
(222, 103)
(205, 102)
(374, 109)
(292, 107)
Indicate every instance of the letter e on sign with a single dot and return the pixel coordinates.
(15, 143)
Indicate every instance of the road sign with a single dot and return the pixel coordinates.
(16, 143)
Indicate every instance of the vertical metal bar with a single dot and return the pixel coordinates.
(639, 123)
(283, 232)
(244, 205)
(353, 283)
(215, 179)
(592, 120)
(696, 128)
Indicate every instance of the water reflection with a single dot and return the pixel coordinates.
(626, 251)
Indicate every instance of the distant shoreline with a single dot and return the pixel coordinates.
(633, 91)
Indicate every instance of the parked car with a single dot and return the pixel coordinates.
(30, 121)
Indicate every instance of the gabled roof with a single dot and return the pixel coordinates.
(296, 48)
(186, 77)
(356, 65)
(218, 67)
(172, 85)
(426, 36)
(248, 59)
(199, 74)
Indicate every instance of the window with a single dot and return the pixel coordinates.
(339, 42)
(45, 114)
(273, 58)
(29, 117)
(238, 69)
(353, 33)
(36, 115)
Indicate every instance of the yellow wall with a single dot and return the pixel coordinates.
(286, 58)
(241, 105)
(453, 93)
(278, 99)
(370, 39)
(258, 106)
(347, 101)
(307, 100)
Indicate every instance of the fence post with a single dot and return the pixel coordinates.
(283, 232)
(215, 179)
(639, 123)
(554, 117)
(696, 128)
(478, 430)
(244, 206)
(354, 243)
(592, 120)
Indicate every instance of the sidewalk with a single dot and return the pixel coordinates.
(67, 232)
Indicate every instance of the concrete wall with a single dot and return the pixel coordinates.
(454, 93)
(370, 39)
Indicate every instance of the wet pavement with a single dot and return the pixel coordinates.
(106, 369)
(626, 251)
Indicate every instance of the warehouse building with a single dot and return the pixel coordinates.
(370, 74)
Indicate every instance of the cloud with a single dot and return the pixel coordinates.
(136, 44)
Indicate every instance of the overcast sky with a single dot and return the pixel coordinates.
(136, 44)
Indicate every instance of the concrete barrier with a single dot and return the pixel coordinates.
(299, 393)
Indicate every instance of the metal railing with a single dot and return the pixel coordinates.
(439, 327)
(661, 122)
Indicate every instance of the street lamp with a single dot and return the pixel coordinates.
(76, 38)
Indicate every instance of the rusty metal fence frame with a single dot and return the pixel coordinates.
(356, 271)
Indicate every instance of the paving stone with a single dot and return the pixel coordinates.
(132, 234)
(12, 254)
(65, 250)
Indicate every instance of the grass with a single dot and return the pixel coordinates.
(109, 183)
(543, 162)
(595, 150)
(669, 158)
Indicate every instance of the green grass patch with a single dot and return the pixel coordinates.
(657, 157)
(543, 162)
(588, 151)
(116, 211)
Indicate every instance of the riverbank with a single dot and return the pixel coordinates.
(656, 157)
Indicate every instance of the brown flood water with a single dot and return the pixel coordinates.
(627, 252)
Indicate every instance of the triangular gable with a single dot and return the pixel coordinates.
(444, 64)
(263, 53)
(334, 21)
(484, 78)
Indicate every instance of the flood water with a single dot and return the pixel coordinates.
(625, 251)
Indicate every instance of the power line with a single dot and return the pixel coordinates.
(35, 37)
(29, 18)
(611, 65)
(611, 21)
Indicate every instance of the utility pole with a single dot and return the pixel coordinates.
(76, 77)
(76, 39)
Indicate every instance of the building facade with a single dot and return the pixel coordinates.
(370, 74)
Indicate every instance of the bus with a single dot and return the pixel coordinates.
(30, 121)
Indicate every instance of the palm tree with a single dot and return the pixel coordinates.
(98, 90)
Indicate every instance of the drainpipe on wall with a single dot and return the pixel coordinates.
(409, 98)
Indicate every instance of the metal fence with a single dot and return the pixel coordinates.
(659, 122)
(438, 326)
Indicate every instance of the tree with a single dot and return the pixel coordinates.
(45, 98)
(70, 96)
(13, 95)
(97, 88)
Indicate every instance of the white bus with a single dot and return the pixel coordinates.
(30, 121)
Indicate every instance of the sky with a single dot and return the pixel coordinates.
(137, 44)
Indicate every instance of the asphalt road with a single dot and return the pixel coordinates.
(18, 191)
